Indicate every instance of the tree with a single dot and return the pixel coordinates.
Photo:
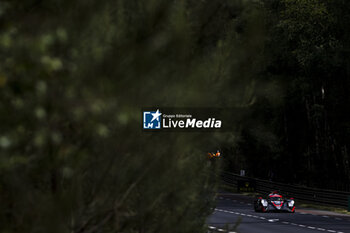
(74, 77)
(298, 126)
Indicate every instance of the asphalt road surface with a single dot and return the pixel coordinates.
(233, 208)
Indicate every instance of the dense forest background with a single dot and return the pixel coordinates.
(302, 135)
(74, 76)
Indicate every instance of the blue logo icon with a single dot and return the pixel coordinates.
(151, 120)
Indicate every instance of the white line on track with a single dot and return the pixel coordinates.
(220, 229)
(272, 221)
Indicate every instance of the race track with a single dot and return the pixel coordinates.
(231, 208)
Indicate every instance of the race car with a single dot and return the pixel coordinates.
(274, 202)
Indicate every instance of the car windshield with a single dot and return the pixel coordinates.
(275, 198)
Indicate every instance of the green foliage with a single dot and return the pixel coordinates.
(74, 76)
